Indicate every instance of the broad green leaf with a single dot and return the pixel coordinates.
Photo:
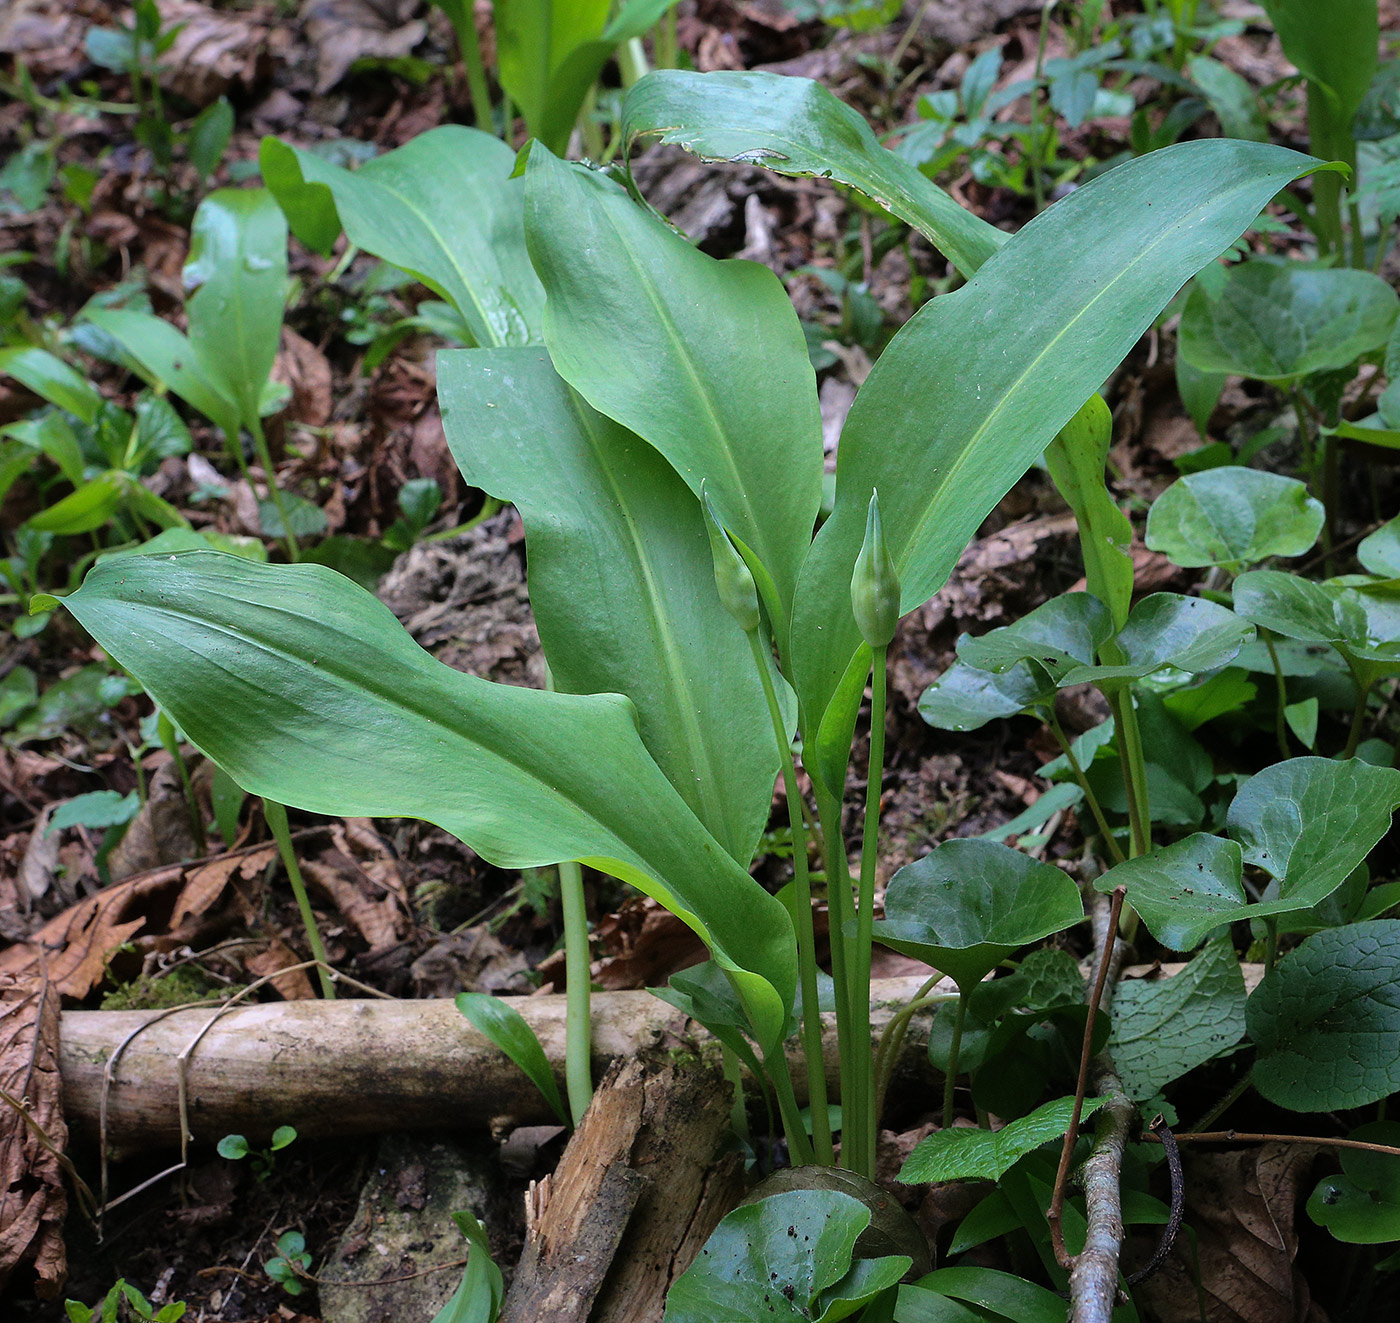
(1184, 891)
(237, 269)
(1232, 97)
(968, 904)
(706, 995)
(1164, 1028)
(1233, 517)
(511, 1032)
(1006, 1295)
(534, 39)
(1076, 459)
(661, 338)
(977, 383)
(1278, 321)
(478, 1298)
(1379, 552)
(620, 579)
(1361, 1205)
(1309, 822)
(1298, 608)
(794, 126)
(1302, 720)
(443, 207)
(1059, 636)
(167, 360)
(958, 1154)
(1334, 45)
(1326, 1018)
(967, 698)
(88, 508)
(789, 1256)
(209, 136)
(98, 809)
(50, 378)
(916, 1305)
(297, 681)
(1188, 633)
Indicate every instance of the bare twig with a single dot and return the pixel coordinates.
(1246, 1137)
(1178, 1205)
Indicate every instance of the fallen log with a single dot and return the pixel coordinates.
(356, 1067)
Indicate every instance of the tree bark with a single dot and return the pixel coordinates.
(356, 1067)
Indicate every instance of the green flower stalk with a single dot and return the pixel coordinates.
(737, 590)
(875, 583)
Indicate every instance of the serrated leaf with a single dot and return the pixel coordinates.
(1162, 1029)
(959, 1153)
(1233, 517)
(1326, 1018)
(968, 904)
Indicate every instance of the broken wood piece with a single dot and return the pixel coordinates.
(357, 1067)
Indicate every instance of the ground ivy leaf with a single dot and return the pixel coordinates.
(1064, 632)
(1361, 1204)
(964, 1153)
(1163, 1029)
(1233, 516)
(1326, 1019)
(1185, 891)
(1309, 822)
(966, 698)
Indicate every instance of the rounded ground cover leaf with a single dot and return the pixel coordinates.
(1233, 516)
(1380, 552)
(1309, 822)
(969, 904)
(1066, 631)
(1361, 1204)
(1277, 321)
(1185, 891)
(786, 1257)
(1296, 608)
(967, 1153)
(966, 698)
(1327, 1018)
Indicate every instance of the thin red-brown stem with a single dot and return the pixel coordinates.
(1086, 1052)
(1245, 1137)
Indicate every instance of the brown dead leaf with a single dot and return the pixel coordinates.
(303, 367)
(1241, 1205)
(33, 1198)
(471, 961)
(81, 941)
(343, 31)
(212, 50)
(292, 984)
(43, 33)
(645, 944)
(160, 833)
(377, 919)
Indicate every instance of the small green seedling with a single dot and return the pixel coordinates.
(236, 1147)
(124, 1302)
(290, 1262)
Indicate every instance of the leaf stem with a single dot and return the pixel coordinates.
(802, 916)
(1358, 716)
(276, 816)
(578, 1024)
(799, 1146)
(265, 458)
(950, 1077)
(1110, 840)
(1281, 696)
(838, 891)
(469, 44)
(1130, 757)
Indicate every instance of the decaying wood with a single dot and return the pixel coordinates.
(356, 1067)
(640, 1187)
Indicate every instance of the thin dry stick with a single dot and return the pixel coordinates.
(1247, 1137)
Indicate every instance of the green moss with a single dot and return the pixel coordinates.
(158, 991)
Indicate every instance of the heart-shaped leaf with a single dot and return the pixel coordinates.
(966, 698)
(968, 904)
(1277, 321)
(1380, 551)
(1326, 1018)
(1166, 629)
(1233, 517)
(308, 691)
(785, 1257)
(958, 1153)
(1059, 636)
(1361, 1205)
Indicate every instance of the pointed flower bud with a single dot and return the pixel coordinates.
(875, 584)
(734, 579)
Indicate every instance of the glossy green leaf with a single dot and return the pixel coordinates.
(1184, 891)
(511, 1032)
(478, 1298)
(620, 579)
(956, 409)
(966, 698)
(97, 809)
(1189, 633)
(167, 359)
(91, 506)
(1059, 636)
(968, 904)
(660, 337)
(957, 1153)
(785, 1257)
(1326, 1018)
(1164, 1028)
(1298, 608)
(1334, 45)
(1076, 459)
(296, 681)
(50, 378)
(1278, 321)
(443, 207)
(237, 269)
(1233, 517)
(794, 126)
(1379, 552)
(1361, 1204)
(1006, 1295)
